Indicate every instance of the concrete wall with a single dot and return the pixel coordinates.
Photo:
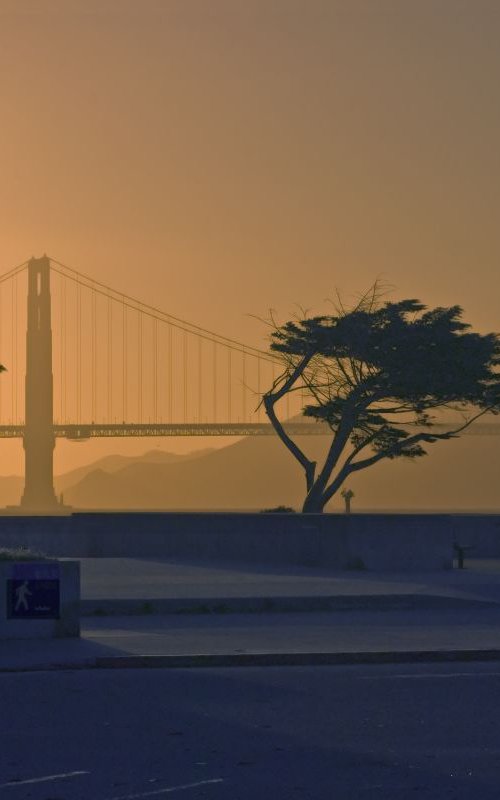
(67, 625)
(375, 541)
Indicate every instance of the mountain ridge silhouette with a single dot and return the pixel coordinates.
(257, 472)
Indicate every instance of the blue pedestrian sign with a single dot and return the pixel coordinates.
(34, 593)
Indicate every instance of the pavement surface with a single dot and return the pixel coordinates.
(159, 613)
(113, 581)
(386, 732)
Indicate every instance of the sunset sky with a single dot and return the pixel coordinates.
(221, 158)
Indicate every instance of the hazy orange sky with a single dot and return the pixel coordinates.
(220, 158)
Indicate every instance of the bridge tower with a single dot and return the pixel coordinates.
(39, 440)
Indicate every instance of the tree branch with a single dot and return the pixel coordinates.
(270, 399)
(398, 449)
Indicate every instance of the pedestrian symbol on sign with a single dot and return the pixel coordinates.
(33, 598)
(22, 593)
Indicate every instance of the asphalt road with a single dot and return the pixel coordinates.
(324, 733)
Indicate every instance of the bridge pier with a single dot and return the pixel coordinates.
(39, 440)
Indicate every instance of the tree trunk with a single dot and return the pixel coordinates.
(314, 503)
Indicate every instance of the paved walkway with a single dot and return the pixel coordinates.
(452, 615)
(132, 578)
(353, 636)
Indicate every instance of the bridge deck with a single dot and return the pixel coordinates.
(79, 432)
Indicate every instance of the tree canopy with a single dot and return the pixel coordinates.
(375, 374)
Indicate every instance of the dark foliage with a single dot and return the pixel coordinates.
(374, 375)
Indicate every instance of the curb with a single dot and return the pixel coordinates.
(269, 605)
(207, 660)
(293, 659)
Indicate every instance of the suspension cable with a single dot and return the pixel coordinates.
(162, 316)
(13, 272)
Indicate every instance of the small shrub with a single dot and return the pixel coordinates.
(21, 553)
(278, 510)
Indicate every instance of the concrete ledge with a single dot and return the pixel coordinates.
(49, 603)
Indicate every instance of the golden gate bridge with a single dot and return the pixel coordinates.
(85, 360)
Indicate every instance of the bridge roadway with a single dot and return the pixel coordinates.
(84, 431)
(126, 429)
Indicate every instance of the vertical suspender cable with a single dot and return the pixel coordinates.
(155, 370)
(16, 376)
(139, 356)
(170, 353)
(13, 365)
(258, 389)
(78, 352)
(184, 354)
(159, 372)
(110, 359)
(64, 368)
(200, 376)
(243, 389)
(273, 373)
(229, 384)
(61, 339)
(215, 381)
(124, 361)
(1, 346)
(93, 352)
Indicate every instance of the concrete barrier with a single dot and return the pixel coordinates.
(337, 541)
(39, 599)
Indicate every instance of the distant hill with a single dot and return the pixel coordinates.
(113, 463)
(257, 472)
(11, 486)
